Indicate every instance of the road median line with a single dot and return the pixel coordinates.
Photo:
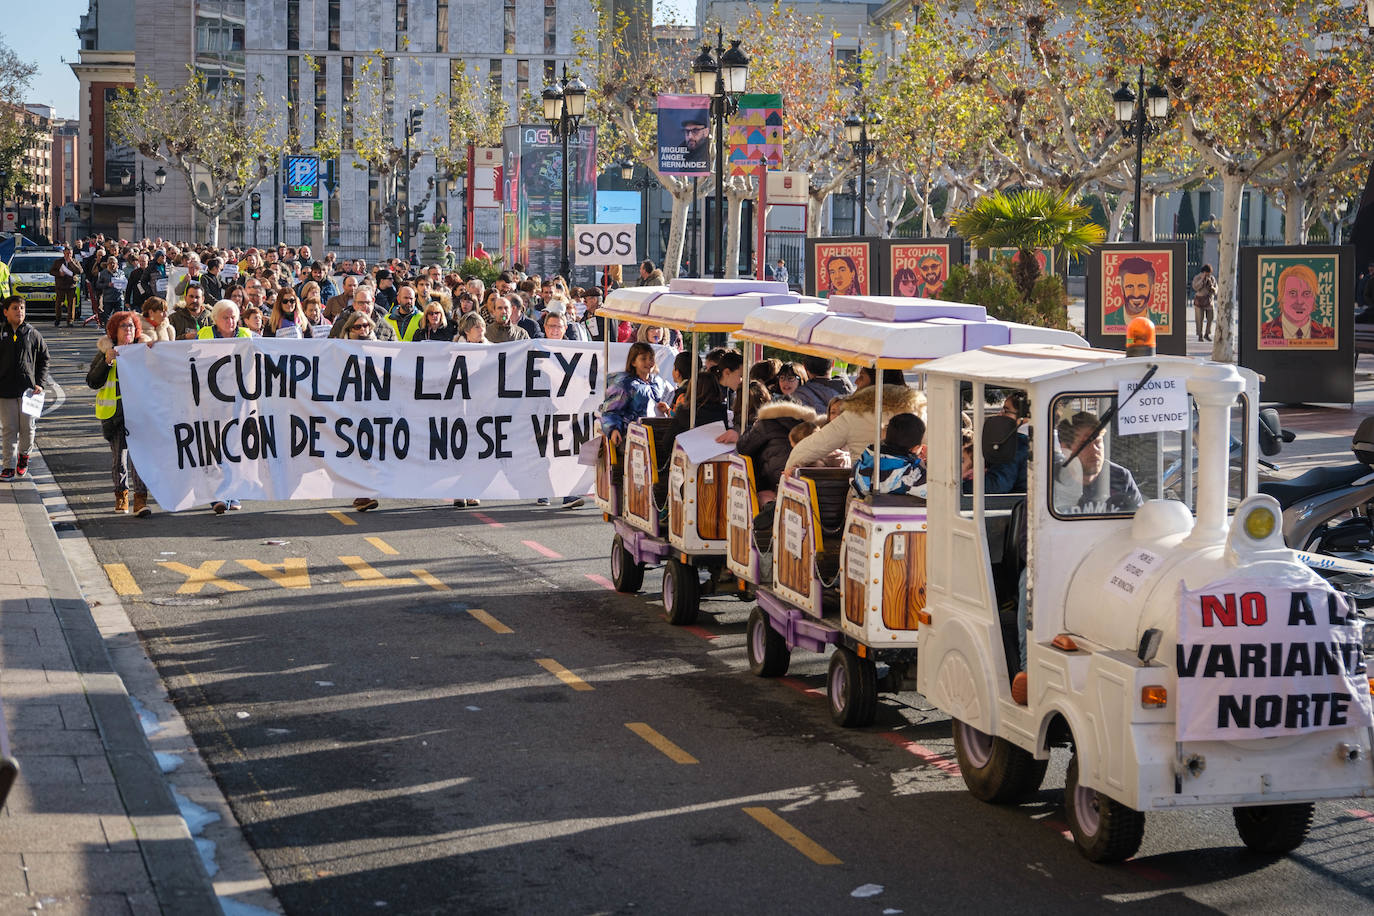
(792, 836)
(563, 674)
(660, 743)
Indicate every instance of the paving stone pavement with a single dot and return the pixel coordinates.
(90, 825)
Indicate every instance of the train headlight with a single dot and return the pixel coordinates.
(1259, 522)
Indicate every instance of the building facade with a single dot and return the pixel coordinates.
(27, 194)
(313, 55)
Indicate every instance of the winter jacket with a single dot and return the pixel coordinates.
(503, 333)
(819, 392)
(111, 299)
(183, 322)
(442, 335)
(628, 398)
(23, 360)
(853, 429)
(96, 377)
(898, 472)
(766, 441)
(162, 332)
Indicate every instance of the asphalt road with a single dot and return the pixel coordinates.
(423, 709)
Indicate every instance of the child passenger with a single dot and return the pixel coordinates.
(900, 465)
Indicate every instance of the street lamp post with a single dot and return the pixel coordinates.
(565, 102)
(643, 184)
(1140, 115)
(856, 133)
(160, 177)
(721, 74)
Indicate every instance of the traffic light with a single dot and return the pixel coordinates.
(255, 206)
(416, 115)
(398, 238)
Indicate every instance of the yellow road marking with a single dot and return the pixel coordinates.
(383, 546)
(343, 519)
(793, 837)
(669, 749)
(491, 622)
(563, 674)
(369, 576)
(201, 576)
(122, 580)
(291, 572)
(429, 579)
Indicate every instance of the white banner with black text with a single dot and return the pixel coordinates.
(1260, 659)
(277, 419)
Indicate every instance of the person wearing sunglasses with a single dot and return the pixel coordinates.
(359, 326)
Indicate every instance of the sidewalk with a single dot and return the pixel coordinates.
(90, 825)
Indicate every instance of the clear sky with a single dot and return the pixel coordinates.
(44, 32)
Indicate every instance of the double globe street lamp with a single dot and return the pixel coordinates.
(721, 74)
(856, 134)
(565, 102)
(142, 187)
(1140, 116)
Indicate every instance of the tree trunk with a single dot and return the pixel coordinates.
(1228, 252)
(1294, 216)
(213, 231)
(734, 208)
(677, 233)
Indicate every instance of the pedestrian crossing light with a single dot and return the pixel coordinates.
(255, 206)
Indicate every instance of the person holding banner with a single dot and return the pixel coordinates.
(471, 329)
(224, 322)
(124, 329)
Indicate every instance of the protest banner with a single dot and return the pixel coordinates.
(1261, 659)
(276, 419)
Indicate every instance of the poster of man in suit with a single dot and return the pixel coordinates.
(1297, 297)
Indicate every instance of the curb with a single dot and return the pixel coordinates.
(174, 866)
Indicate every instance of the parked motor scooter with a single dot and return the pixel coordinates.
(1328, 508)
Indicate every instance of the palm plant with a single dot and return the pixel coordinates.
(1026, 221)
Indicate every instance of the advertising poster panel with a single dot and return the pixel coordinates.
(684, 134)
(1130, 280)
(532, 196)
(839, 266)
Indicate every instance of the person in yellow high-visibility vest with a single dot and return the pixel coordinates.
(122, 331)
(405, 319)
(224, 322)
(224, 325)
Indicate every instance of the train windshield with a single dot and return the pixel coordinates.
(1104, 466)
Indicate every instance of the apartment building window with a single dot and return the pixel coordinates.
(293, 96)
(441, 26)
(293, 25)
(346, 80)
(402, 23)
(509, 45)
(522, 81)
(550, 26)
(321, 96)
(550, 72)
(335, 218)
(388, 87)
(333, 25)
(496, 77)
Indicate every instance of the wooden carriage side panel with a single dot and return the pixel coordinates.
(739, 535)
(711, 503)
(904, 579)
(794, 568)
(677, 505)
(639, 478)
(855, 590)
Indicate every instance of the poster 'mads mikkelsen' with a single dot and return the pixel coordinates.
(684, 134)
(1265, 659)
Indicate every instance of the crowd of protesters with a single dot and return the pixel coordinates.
(285, 291)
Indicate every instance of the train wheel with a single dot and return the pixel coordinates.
(681, 593)
(1273, 829)
(1105, 830)
(852, 686)
(768, 652)
(995, 770)
(626, 575)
